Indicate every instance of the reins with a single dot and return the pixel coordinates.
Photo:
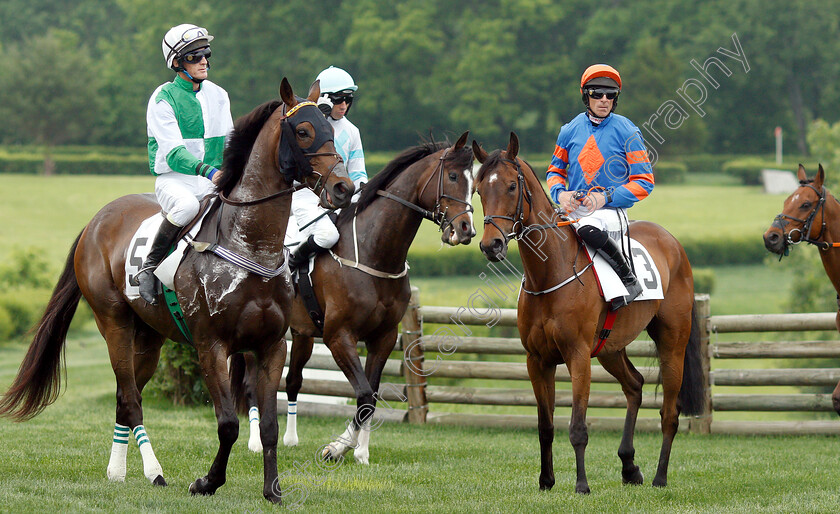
(436, 216)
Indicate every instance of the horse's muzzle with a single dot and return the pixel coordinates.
(338, 196)
(495, 250)
(774, 241)
(459, 232)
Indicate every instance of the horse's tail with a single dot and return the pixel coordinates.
(38, 382)
(692, 397)
(237, 383)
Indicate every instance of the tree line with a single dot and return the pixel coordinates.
(708, 77)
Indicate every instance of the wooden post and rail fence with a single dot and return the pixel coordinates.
(421, 358)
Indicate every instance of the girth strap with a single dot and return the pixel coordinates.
(605, 332)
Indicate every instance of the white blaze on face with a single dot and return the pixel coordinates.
(469, 176)
(494, 177)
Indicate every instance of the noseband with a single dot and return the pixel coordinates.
(780, 222)
(437, 215)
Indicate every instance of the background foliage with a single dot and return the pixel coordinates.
(82, 71)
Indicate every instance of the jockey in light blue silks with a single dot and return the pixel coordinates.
(602, 155)
(309, 223)
(188, 120)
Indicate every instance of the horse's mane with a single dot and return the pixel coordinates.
(399, 164)
(241, 142)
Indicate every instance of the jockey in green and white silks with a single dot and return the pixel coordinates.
(188, 120)
(308, 223)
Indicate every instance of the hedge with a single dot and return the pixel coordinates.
(669, 172)
(471, 262)
(748, 169)
(91, 163)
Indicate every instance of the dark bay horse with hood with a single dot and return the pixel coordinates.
(228, 308)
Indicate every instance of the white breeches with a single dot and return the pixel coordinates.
(179, 195)
(611, 221)
(305, 209)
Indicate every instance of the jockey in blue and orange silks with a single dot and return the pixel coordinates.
(601, 155)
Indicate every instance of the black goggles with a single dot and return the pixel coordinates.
(337, 98)
(195, 56)
(597, 94)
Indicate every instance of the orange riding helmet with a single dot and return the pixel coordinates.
(601, 76)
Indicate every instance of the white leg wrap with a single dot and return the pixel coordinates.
(290, 438)
(339, 447)
(151, 466)
(119, 449)
(254, 442)
(362, 453)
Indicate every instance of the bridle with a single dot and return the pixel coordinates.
(293, 161)
(520, 230)
(437, 215)
(780, 222)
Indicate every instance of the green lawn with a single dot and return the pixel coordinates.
(56, 463)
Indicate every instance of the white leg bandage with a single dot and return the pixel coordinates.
(339, 447)
(290, 438)
(119, 449)
(151, 466)
(254, 442)
(362, 453)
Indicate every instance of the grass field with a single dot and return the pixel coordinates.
(56, 463)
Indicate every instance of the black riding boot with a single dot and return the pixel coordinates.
(301, 254)
(606, 248)
(616, 259)
(160, 246)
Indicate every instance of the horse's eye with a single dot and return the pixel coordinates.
(512, 187)
(453, 176)
(806, 205)
(302, 133)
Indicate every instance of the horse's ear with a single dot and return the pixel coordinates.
(820, 178)
(286, 93)
(513, 147)
(800, 174)
(314, 91)
(480, 153)
(462, 141)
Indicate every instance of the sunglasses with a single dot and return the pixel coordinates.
(196, 56)
(337, 98)
(597, 94)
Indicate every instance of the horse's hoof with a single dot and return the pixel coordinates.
(660, 483)
(633, 477)
(546, 485)
(362, 458)
(202, 487)
(582, 488)
(290, 440)
(273, 498)
(159, 481)
(329, 454)
(115, 477)
(255, 446)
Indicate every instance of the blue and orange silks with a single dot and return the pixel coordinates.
(610, 155)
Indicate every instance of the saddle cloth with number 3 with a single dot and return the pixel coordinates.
(643, 266)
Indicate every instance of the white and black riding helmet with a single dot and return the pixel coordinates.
(336, 86)
(185, 41)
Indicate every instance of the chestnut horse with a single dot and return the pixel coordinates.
(365, 296)
(559, 319)
(227, 308)
(811, 214)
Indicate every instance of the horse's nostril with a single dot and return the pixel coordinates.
(465, 227)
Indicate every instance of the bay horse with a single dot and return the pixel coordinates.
(811, 214)
(365, 296)
(559, 323)
(227, 308)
